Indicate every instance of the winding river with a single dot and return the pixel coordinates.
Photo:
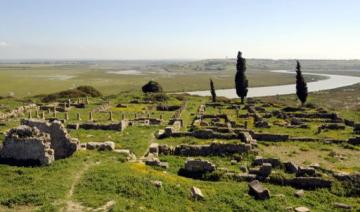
(332, 81)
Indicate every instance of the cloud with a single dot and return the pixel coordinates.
(4, 44)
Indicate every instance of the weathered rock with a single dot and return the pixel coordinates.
(199, 165)
(310, 182)
(154, 148)
(101, 146)
(299, 193)
(246, 137)
(305, 171)
(262, 172)
(270, 137)
(295, 121)
(354, 141)
(165, 149)
(61, 142)
(196, 193)
(244, 177)
(265, 169)
(243, 168)
(261, 124)
(209, 134)
(212, 149)
(157, 183)
(260, 160)
(92, 145)
(164, 165)
(357, 128)
(127, 153)
(107, 145)
(258, 191)
(113, 126)
(342, 206)
(26, 145)
(302, 209)
(152, 160)
(291, 167)
(332, 127)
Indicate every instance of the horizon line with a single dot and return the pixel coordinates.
(164, 59)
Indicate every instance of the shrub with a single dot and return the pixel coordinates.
(89, 90)
(81, 91)
(152, 87)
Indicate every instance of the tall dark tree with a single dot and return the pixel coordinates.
(212, 90)
(241, 81)
(301, 87)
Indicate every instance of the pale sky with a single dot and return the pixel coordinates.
(179, 29)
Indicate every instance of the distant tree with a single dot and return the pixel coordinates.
(212, 90)
(152, 87)
(301, 87)
(241, 81)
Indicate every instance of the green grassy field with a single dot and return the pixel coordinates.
(29, 80)
(93, 180)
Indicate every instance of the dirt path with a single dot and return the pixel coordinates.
(73, 206)
(142, 158)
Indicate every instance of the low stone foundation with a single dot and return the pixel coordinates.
(270, 137)
(205, 150)
(113, 126)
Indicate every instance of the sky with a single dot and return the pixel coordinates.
(179, 29)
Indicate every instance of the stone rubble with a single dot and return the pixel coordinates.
(257, 190)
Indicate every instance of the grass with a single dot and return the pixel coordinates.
(44, 79)
(136, 138)
(130, 184)
(315, 152)
(42, 186)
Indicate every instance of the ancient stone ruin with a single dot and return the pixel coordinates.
(199, 165)
(27, 146)
(61, 142)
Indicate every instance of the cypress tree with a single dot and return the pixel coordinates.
(241, 82)
(301, 87)
(212, 90)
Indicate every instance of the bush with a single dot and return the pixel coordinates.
(81, 91)
(89, 90)
(152, 87)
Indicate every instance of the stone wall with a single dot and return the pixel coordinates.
(270, 137)
(209, 134)
(112, 126)
(61, 142)
(26, 146)
(18, 111)
(205, 150)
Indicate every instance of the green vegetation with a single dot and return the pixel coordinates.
(212, 91)
(152, 87)
(301, 87)
(90, 179)
(241, 82)
(22, 80)
(81, 91)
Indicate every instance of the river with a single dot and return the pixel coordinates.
(332, 81)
